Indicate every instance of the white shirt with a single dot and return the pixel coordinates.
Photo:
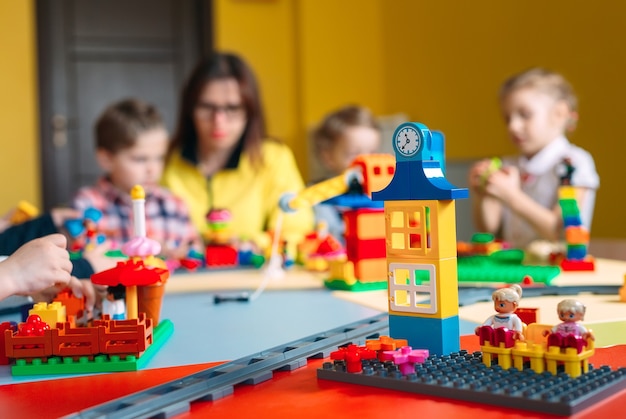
(510, 321)
(541, 181)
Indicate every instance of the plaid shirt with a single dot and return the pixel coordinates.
(167, 217)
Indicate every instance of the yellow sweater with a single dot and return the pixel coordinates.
(251, 196)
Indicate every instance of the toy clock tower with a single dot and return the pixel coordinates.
(420, 224)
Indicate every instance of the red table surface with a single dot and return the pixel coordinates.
(297, 393)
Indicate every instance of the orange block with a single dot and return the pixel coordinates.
(576, 235)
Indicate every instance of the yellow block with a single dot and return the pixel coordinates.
(50, 313)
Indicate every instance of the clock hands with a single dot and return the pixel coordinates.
(406, 142)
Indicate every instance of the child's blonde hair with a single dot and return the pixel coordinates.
(546, 81)
(335, 124)
(512, 294)
(571, 306)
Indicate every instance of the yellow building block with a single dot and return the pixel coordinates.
(340, 269)
(500, 352)
(567, 192)
(421, 229)
(405, 292)
(50, 313)
(575, 363)
(533, 352)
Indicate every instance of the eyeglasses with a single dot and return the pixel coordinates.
(209, 111)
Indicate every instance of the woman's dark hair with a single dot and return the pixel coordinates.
(220, 66)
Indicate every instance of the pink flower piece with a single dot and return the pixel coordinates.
(141, 247)
(218, 215)
(406, 358)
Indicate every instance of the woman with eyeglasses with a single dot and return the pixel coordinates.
(221, 157)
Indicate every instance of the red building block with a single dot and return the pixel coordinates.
(68, 341)
(357, 250)
(578, 265)
(4, 360)
(352, 355)
(221, 255)
(127, 337)
(28, 347)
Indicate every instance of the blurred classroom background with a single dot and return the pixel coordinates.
(440, 63)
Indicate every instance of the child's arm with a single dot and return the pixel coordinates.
(486, 209)
(39, 264)
(505, 186)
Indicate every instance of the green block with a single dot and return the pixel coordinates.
(482, 238)
(341, 285)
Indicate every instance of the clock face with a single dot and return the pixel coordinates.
(407, 141)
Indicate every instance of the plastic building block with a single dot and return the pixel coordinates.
(588, 264)
(98, 363)
(73, 306)
(353, 201)
(463, 376)
(528, 315)
(576, 235)
(221, 255)
(52, 313)
(353, 355)
(385, 343)
(23, 212)
(405, 358)
(489, 269)
(439, 336)
(130, 336)
(11, 327)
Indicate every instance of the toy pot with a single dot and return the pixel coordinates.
(149, 300)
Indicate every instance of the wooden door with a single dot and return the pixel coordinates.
(92, 53)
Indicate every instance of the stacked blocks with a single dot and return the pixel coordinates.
(576, 235)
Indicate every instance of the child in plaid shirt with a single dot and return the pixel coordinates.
(131, 143)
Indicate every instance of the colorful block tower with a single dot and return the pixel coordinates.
(576, 235)
(420, 223)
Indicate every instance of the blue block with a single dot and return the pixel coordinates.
(420, 180)
(439, 336)
(576, 253)
(572, 221)
(353, 201)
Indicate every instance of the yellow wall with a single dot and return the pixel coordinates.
(19, 158)
(440, 62)
(308, 56)
(446, 68)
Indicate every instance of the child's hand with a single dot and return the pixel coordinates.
(84, 287)
(37, 265)
(173, 252)
(504, 184)
(61, 215)
(98, 259)
(478, 175)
